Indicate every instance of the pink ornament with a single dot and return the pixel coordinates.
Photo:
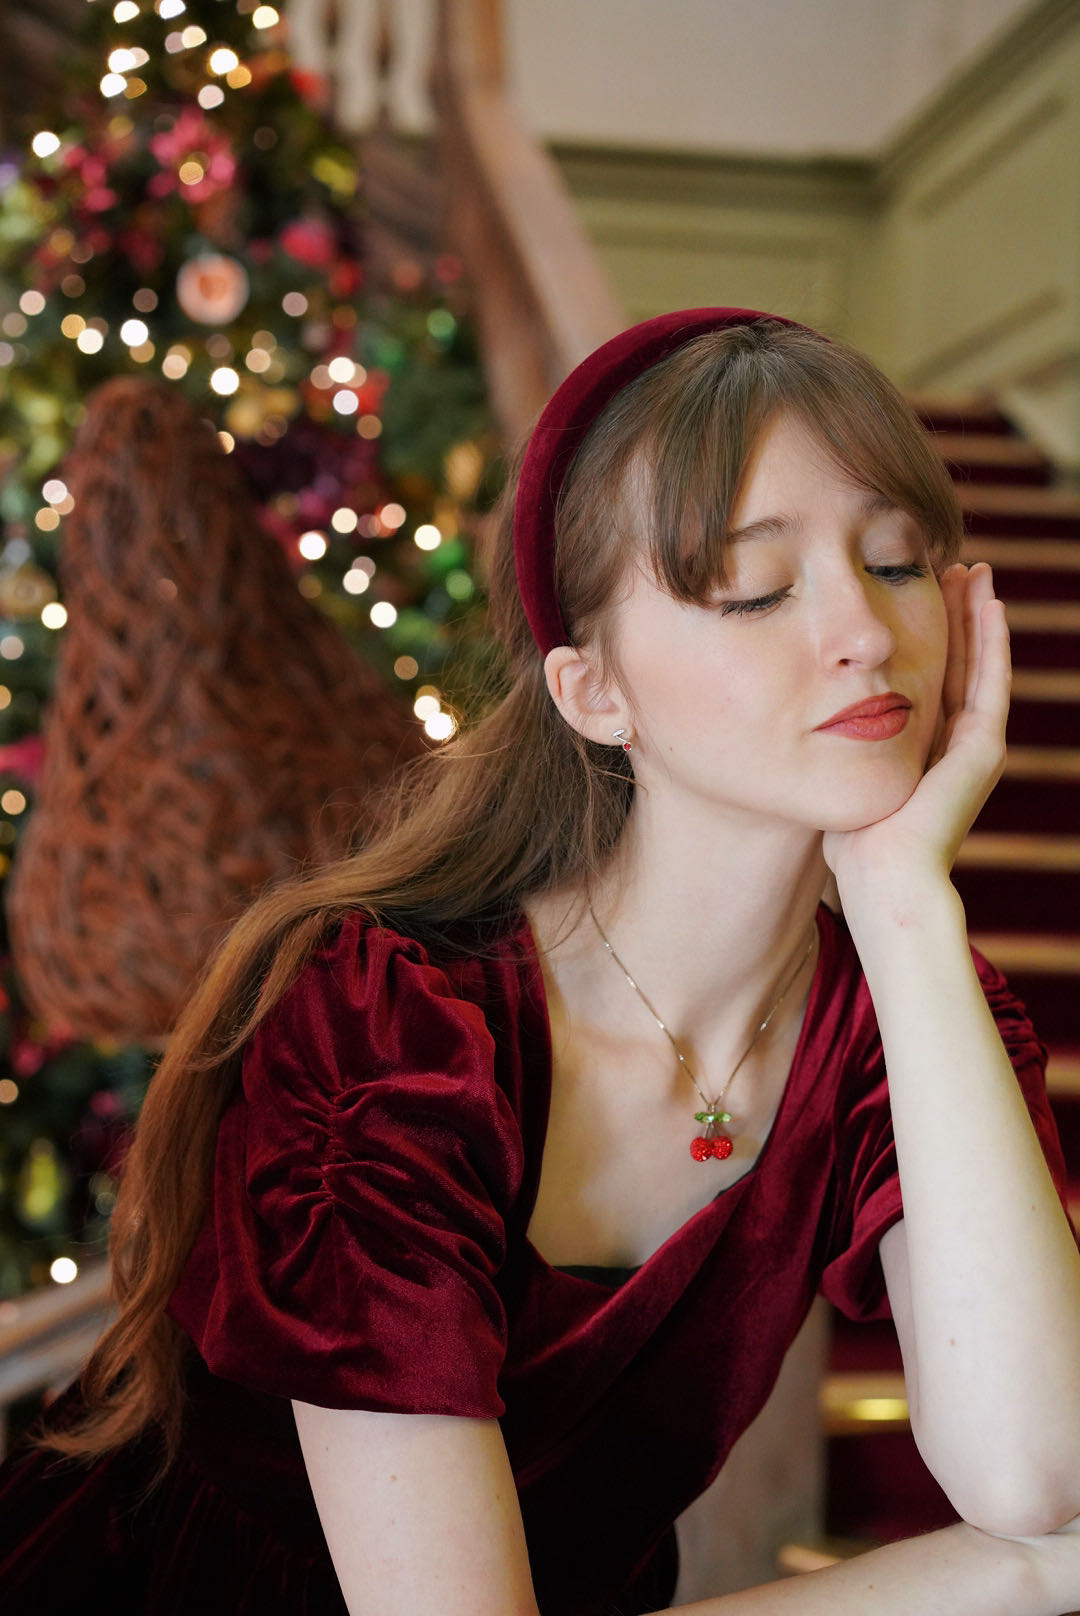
(309, 241)
(212, 289)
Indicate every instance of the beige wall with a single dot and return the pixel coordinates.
(953, 258)
(783, 77)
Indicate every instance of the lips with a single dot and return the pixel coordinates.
(876, 719)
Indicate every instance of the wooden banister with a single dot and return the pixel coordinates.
(543, 301)
(46, 1336)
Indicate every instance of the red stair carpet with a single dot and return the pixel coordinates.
(1019, 875)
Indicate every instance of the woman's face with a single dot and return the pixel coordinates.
(830, 602)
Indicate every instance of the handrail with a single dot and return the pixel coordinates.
(46, 1336)
(543, 299)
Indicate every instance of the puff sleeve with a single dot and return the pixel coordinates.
(868, 1199)
(362, 1178)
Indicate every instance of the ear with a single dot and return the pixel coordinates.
(589, 705)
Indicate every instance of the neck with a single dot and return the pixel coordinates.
(710, 925)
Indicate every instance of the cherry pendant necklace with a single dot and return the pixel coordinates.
(714, 1143)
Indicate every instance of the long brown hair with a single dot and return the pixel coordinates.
(517, 804)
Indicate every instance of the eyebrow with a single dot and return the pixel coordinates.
(773, 527)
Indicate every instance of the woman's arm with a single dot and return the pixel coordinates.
(422, 1519)
(983, 1274)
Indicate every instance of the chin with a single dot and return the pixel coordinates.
(873, 801)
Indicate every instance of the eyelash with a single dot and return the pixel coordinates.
(891, 575)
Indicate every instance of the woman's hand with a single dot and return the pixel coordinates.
(966, 758)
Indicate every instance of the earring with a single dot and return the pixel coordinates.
(620, 736)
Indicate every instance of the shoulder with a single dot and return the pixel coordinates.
(380, 1037)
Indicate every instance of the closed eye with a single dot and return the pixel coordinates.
(900, 574)
(746, 608)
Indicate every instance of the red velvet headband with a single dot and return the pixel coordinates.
(559, 432)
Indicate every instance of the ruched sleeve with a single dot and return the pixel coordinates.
(362, 1179)
(868, 1187)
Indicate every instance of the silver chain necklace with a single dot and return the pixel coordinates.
(714, 1142)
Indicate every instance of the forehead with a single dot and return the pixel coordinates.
(788, 473)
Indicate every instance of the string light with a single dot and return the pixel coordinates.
(170, 8)
(90, 340)
(258, 360)
(11, 648)
(209, 97)
(264, 17)
(427, 537)
(47, 519)
(227, 441)
(134, 332)
(440, 726)
(12, 802)
(54, 615)
(341, 370)
(5, 696)
(426, 703)
(9, 1091)
(392, 515)
(32, 302)
(193, 35)
(239, 78)
(406, 667)
(344, 520)
(312, 545)
(122, 60)
(45, 143)
(73, 286)
(113, 84)
(7, 353)
(72, 324)
(224, 380)
(382, 614)
(13, 324)
(176, 362)
(369, 426)
(125, 11)
(355, 581)
(222, 60)
(63, 1270)
(345, 401)
(54, 491)
(145, 300)
(295, 304)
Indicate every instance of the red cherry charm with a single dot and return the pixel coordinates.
(721, 1146)
(701, 1149)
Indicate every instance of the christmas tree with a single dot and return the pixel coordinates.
(192, 215)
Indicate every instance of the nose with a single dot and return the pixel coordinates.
(857, 627)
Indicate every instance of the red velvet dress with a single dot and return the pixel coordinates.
(367, 1248)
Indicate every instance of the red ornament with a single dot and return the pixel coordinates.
(212, 288)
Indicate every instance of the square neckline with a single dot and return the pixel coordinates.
(826, 923)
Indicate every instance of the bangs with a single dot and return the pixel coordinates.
(660, 473)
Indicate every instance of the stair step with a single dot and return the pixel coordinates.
(992, 458)
(1063, 1073)
(853, 1401)
(1016, 803)
(1043, 616)
(1043, 723)
(943, 413)
(1027, 555)
(1047, 953)
(999, 896)
(1046, 684)
(1042, 763)
(1009, 511)
(1020, 851)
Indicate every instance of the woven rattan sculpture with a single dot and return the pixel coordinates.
(209, 727)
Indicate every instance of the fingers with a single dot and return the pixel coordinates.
(954, 584)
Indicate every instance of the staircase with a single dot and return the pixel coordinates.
(1019, 875)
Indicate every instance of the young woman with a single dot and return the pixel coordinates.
(490, 1174)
